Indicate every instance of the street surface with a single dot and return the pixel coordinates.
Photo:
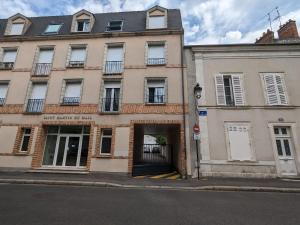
(66, 205)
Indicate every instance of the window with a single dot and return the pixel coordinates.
(275, 90)
(72, 93)
(36, 100)
(78, 56)
(238, 142)
(83, 26)
(156, 54)
(3, 92)
(155, 92)
(283, 141)
(52, 28)
(9, 58)
(44, 63)
(229, 90)
(156, 22)
(111, 98)
(114, 60)
(106, 136)
(26, 132)
(115, 26)
(17, 28)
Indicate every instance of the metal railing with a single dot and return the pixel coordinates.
(42, 69)
(113, 67)
(156, 153)
(156, 61)
(76, 64)
(155, 99)
(71, 100)
(2, 101)
(35, 105)
(6, 65)
(110, 104)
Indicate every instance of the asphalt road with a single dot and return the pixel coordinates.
(66, 205)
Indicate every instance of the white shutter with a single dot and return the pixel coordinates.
(115, 54)
(3, 90)
(38, 91)
(220, 90)
(156, 22)
(72, 90)
(17, 29)
(238, 90)
(239, 142)
(282, 97)
(271, 89)
(10, 56)
(156, 52)
(45, 56)
(78, 54)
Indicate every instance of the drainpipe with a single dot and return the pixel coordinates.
(183, 101)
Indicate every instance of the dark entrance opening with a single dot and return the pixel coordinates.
(156, 148)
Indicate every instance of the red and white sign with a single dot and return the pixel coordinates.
(196, 129)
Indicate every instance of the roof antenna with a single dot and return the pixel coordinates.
(270, 20)
(278, 16)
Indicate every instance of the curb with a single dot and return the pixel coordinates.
(115, 185)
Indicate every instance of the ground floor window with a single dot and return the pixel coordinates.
(26, 132)
(106, 137)
(66, 146)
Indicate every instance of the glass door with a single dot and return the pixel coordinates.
(71, 151)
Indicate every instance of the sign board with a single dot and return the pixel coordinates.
(196, 136)
(202, 112)
(196, 129)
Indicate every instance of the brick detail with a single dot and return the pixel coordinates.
(98, 142)
(153, 109)
(11, 109)
(266, 38)
(288, 31)
(81, 109)
(19, 135)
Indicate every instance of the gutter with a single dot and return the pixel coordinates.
(183, 102)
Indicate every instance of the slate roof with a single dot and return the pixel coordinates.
(134, 21)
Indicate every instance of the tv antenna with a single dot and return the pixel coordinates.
(278, 17)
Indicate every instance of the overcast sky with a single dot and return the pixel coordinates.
(204, 21)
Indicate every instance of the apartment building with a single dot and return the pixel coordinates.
(85, 92)
(249, 112)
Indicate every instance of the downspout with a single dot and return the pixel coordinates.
(183, 101)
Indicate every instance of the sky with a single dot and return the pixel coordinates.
(204, 21)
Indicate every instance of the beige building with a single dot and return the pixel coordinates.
(81, 92)
(250, 106)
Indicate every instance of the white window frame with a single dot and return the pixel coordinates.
(106, 136)
(53, 32)
(157, 27)
(252, 151)
(70, 81)
(21, 32)
(108, 26)
(157, 83)
(85, 21)
(113, 85)
(5, 82)
(282, 75)
(9, 50)
(81, 47)
(23, 136)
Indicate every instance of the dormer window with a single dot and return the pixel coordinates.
(156, 22)
(83, 26)
(115, 25)
(17, 28)
(52, 29)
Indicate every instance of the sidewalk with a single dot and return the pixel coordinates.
(124, 181)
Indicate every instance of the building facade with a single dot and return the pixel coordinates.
(249, 110)
(81, 92)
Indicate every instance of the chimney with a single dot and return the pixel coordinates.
(288, 31)
(266, 38)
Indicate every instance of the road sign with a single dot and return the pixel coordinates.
(196, 129)
(196, 136)
(202, 112)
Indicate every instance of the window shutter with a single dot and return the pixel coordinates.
(78, 54)
(10, 56)
(220, 90)
(68, 55)
(238, 90)
(45, 56)
(3, 90)
(73, 90)
(115, 54)
(38, 91)
(270, 89)
(155, 52)
(282, 97)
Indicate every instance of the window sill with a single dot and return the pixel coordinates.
(110, 113)
(156, 104)
(70, 104)
(32, 113)
(156, 65)
(113, 74)
(22, 154)
(242, 161)
(40, 76)
(108, 156)
(75, 67)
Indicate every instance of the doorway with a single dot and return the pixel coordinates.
(66, 146)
